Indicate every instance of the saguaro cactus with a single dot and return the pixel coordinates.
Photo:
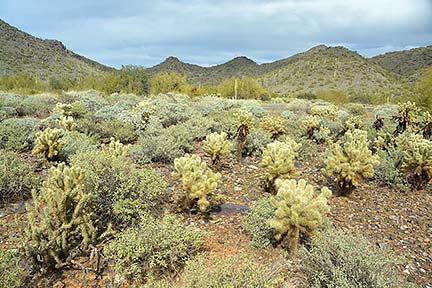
(198, 180)
(298, 210)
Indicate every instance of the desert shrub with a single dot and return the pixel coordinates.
(298, 210)
(60, 224)
(17, 177)
(18, 134)
(216, 145)
(198, 180)
(39, 106)
(253, 106)
(154, 247)
(208, 105)
(256, 142)
(426, 125)
(74, 143)
(355, 109)
(278, 161)
(334, 96)
(171, 108)
(350, 159)
(388, 171)
(255, 223)
(12, 275)
(299, 106)
(91, 99)
(198, 126)
(224, 122)
(49, 143)
(111, 112)
(120, 190)
(109, 128)
(236, 271)
(337, 259)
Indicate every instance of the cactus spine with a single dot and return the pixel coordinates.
(198, 180)
(298, 210)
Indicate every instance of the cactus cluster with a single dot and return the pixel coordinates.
(417, 158)
(115, 148)
(311, 124)
(352, 123)
(217, 145)
(407, 113)
(325, 111)
(66, 121)
(426, 125)
(64, 109)
(59, 220)
(274, 124)
(298, 210)
(244, 121)
(278, 161)
(49, 143)
(350, 159)
(197, 179)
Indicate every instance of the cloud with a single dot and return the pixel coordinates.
(210, 32)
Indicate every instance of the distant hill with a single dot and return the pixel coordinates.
(408, 63)
(22, 52)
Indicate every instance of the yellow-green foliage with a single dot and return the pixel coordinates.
(426, 125)
(278, 160)
(274, 124)
(49, 143)
(310, 124)
(325, 111)
(298, 210)
(407, 113)
(424, 90)
(115, 148)
(247, 88)
(216, 145)
(59, 219)
(198, 180)
(64, 109)
(244, 118)
(352, 123)
(417, 158)
(67, 123)
(168, 82)
(350, 159)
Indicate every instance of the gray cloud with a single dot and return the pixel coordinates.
(211, 32)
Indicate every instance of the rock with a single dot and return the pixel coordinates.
(253, 167)
(229, 209)
(237, 188)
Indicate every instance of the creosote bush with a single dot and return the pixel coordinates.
(278, 161)
(216, 145)
(350, 159)
(337, 259)
(49, 143)
(60, 224)
(198, 180)
(298, 210)
(155, 247)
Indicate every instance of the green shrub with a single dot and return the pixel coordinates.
(255, 223)
(256, 142)
(18, 134)
(124, 132)
(389, 172)
(39, 106)
(17, 177)
(120, 190)
(74, 143)
(154, 247)
(356, 109)
(337, 259)
(172, 108)
(12, 275)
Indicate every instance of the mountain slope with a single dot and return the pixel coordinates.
(408, 63)
(21, 52)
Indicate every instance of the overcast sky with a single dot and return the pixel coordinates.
(205, 32)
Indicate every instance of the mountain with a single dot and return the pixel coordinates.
(22, 52)
(408, 63)
(319, 68)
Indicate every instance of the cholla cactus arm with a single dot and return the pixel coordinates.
(49, 143)
(350, 160)
(278, 160)
(310, 123)
(64, 109)
(406, 115)
(325, 111)
(216, 145)
(115, 148)
(197, 179)
(274, 124)
(352, 123)
(426, 125)
(297, 210)
(63, 219)
(67, 123)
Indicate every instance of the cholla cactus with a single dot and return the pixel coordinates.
(59, 219)
(67, 123)
(274, 124)
(311, 124)
(216, 145)
(407, 113)
(244, 123)
(417, 158)
(298, 210)
(49, 143)
(198, 180)
(426, 125)
(64, 109)
(350, 160)
(278, 160)
(325, 111)
(145, 109)
(115, 148)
